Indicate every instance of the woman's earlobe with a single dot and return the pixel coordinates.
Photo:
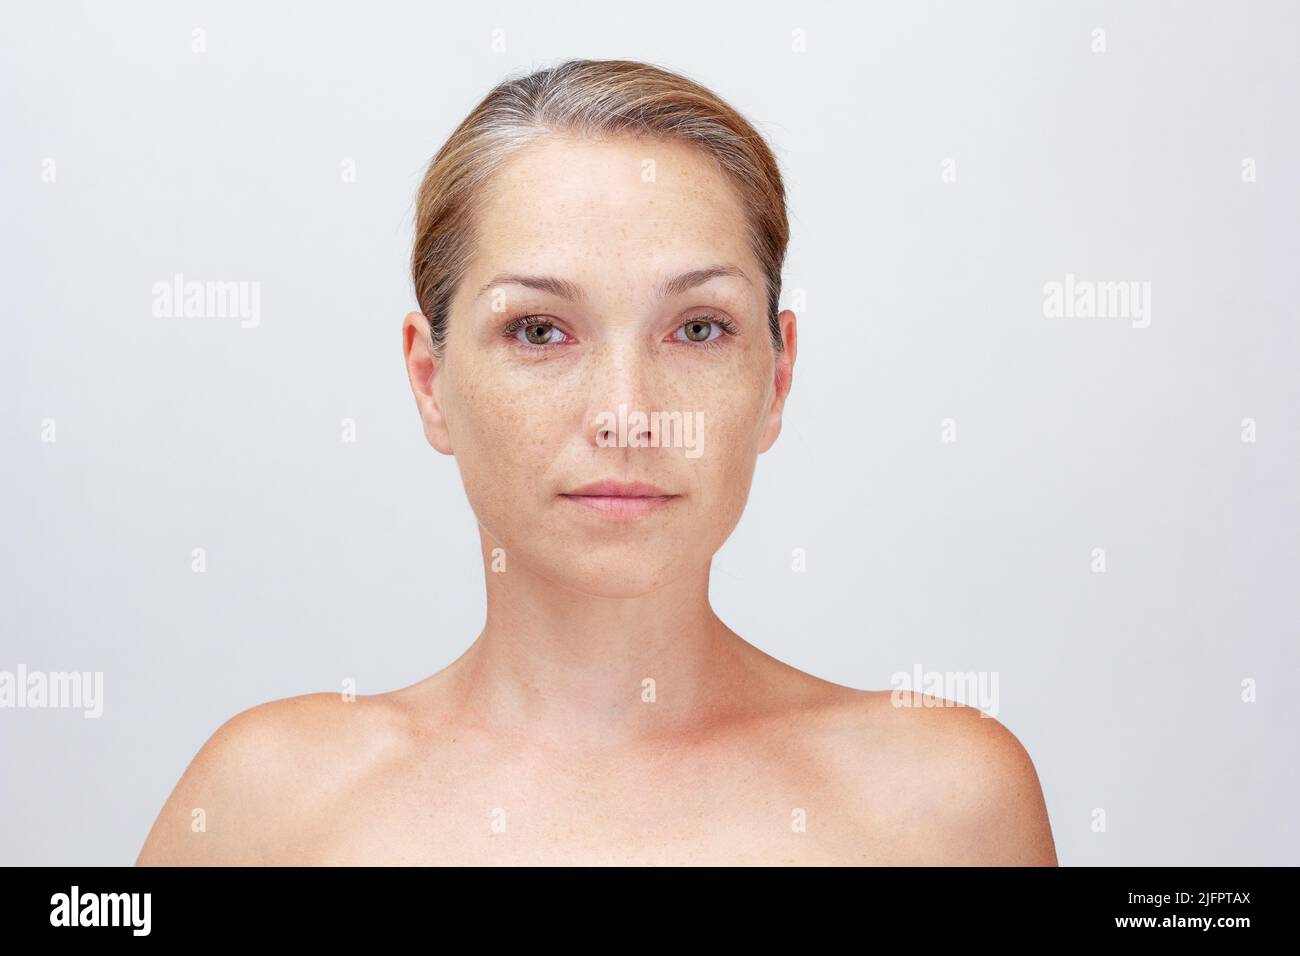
(438, 438)
(435, 423)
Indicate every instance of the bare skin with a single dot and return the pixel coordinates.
(605, 714)
(842, 778)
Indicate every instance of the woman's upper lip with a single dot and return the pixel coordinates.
(620, 489)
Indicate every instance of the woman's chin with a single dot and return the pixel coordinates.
(610, 574)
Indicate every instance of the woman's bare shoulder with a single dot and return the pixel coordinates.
(265, 774)
(956, 777)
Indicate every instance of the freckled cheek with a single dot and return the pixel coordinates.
(732, 402)
(726, 462)
(506, 438)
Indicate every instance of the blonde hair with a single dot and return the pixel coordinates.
(590, 98)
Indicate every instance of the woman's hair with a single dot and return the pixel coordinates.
(589, 98)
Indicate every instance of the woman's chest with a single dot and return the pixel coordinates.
(705, 819)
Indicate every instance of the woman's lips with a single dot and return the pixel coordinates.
(622, 506)
(621, 499)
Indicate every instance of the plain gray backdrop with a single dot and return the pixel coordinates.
(944, 162)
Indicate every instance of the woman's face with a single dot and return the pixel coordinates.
(566, 327)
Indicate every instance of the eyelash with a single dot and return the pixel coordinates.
(524, 321)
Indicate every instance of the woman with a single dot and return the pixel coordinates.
(597, 262)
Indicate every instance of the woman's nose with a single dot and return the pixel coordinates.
(625, 391)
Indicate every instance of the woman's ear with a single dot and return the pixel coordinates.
(422, 368)
(784, 379)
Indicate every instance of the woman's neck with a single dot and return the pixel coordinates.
(568, 669)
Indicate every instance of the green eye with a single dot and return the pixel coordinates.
(534, 333)
(697, 330)
(706, 330)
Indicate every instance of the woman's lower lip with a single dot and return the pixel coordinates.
(621, 506)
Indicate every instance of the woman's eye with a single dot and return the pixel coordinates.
(539, 333)
(701, 330)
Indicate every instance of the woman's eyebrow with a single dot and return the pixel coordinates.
(565, 289)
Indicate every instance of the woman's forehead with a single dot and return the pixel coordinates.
(620, 186)
(581, 213)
